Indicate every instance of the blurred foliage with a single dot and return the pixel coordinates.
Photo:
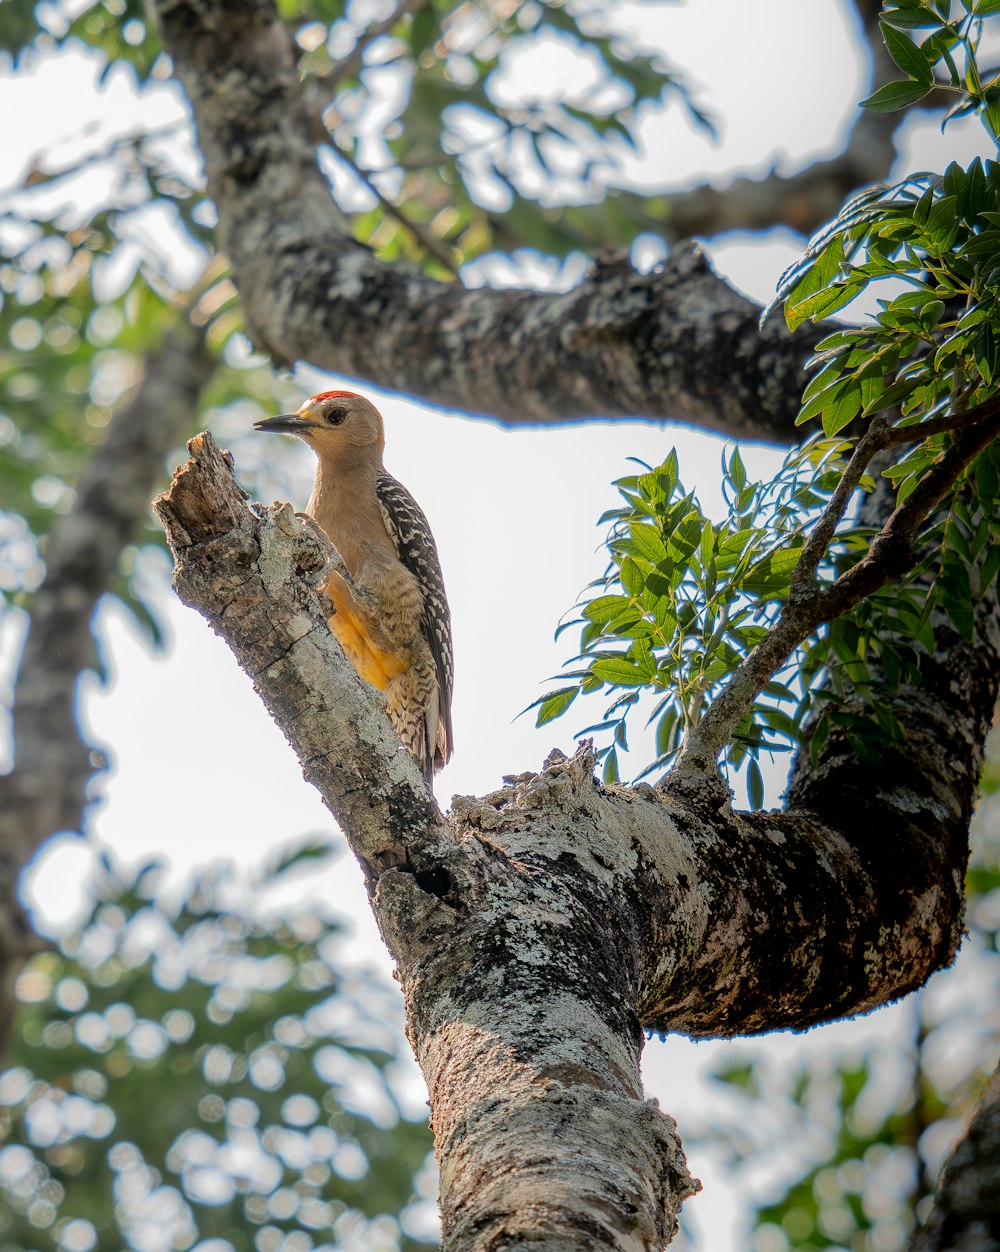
(102, 248)
(467, 157)
(184, 1072)
(859, 1142)
(81, 308)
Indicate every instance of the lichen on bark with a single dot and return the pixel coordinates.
(540, 930)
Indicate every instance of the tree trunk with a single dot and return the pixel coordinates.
(537, 931)
(46, 791)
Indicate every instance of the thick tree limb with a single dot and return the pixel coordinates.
(533, 1071)
(536, 929)
(46, 790)
(676, 343)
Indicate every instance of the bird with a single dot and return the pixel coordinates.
(391, 614)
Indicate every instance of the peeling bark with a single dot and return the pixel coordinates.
(537, 931)
(676, 343)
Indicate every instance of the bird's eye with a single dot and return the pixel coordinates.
(335, 414)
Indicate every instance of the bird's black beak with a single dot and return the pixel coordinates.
(284, 424)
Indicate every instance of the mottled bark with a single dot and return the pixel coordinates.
(46, 791)
(518, 950)
(675, 343)
(538, 929)
(966, 1213)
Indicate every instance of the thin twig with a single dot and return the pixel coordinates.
(878, 436)
(423, 237)
(351, 63)
(873, 441)
(889, 554)
(941, 425)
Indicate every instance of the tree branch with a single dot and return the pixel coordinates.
(810, 197)
(537, 928)
(876, 436)
(674, 343)
(433, 247)
(352, 64)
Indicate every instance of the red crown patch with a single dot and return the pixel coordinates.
(331, 395)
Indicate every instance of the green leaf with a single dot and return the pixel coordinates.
(618, 671)
(755, 785)
(632, 576)
(825, 302)
(991, 114)
(906, 54)
(742, 1076)
(737, 471)
(606, 608)
(989, 569)
(668, 729)
(896, 95)
(772, 575)
(295, 854)
(424, 32)
(647, 541)
(985, 349)
(911, 16)
(555, 704)
(820, 734)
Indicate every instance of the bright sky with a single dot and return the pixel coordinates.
(200, 770)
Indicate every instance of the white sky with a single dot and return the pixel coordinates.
(200, 770)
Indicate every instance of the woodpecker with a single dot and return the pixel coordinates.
(391, 614)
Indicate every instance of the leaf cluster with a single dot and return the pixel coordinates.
(82, 311)
(217, 1075)
(470, 163)
(943, 58)
(478, 167)
(929, 351)
(684, 599)
(933, 345)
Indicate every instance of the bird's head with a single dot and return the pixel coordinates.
(336, 424)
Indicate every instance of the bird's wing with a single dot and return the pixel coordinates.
(411, 534)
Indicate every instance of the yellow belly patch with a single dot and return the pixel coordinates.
(372, 663)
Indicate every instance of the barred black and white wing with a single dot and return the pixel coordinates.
(415, 547)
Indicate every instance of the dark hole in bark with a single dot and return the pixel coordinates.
(435, 882)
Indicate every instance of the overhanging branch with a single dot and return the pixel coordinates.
(676, 343)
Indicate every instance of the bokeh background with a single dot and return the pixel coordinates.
(210, 1050)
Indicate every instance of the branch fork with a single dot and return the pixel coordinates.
(536, 930)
